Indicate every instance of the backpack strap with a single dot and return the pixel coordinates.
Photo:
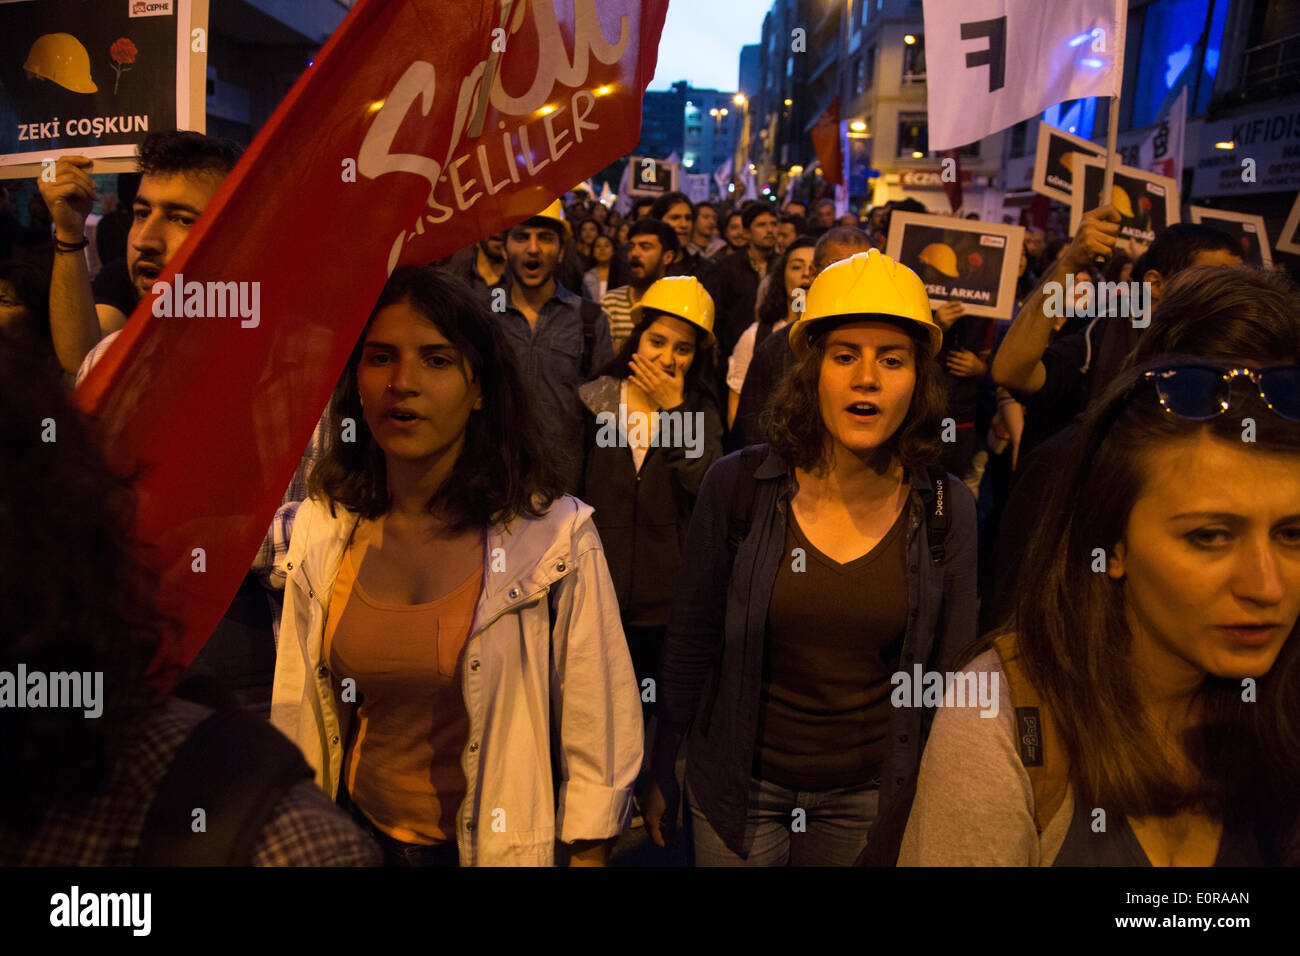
(939, 518)
(235, 767)
(1037, 739)
(742, 498)
(590, 312)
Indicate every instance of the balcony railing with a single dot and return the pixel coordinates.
(1271, 62)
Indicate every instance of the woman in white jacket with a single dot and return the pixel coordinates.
(450, 631)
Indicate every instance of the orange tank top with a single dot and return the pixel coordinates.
(402, 766)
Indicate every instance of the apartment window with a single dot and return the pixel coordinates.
(869, 66)
(913, 135)
(914, 60)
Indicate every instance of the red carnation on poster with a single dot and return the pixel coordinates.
(975, 259)
(123, 52)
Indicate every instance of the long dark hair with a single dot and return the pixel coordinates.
(76, 597)
(775, 304)
(696, 381)
(792, 418)
(504, 469)
(1075, 642)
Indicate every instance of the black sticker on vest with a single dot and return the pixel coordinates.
(1029, 736)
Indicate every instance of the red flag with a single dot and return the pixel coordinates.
(826, 140)
(951, 183)
(423, 126)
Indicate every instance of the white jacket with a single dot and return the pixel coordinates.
(517, 674)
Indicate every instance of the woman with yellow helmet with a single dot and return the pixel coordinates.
(822, 572)
(653, 431)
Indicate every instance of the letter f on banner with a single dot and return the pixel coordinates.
(1037, 54)
(995, 57)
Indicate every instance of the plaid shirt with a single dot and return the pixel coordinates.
(305, 829)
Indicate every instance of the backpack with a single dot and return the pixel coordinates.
(234, 766)
(740, 517)
(1037, 740)
(589, 312)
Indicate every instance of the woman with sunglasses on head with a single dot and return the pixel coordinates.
(1154, 635)
(817, 568)
(642, 477)
(444, 607)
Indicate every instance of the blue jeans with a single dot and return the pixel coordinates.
(831, 830)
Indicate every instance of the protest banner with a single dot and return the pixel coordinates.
(422, 127)
(1248, 232)
(92, 79)
(651, 177)
(1146, 202)
(1289, 239)
(1054, 166)
(963, 260)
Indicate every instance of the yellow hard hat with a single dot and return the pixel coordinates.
(555, 213)
(60, 58)
(1119, 199)
(941, 257)
(682, 296)
(867, 287)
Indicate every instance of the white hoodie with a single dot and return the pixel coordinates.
(519, 675)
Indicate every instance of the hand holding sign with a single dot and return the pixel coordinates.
(949, 313)
(1098, 233)
(69, 194)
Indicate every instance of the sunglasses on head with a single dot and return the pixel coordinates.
(1201, 392)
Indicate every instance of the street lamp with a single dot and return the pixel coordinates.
(739, 99)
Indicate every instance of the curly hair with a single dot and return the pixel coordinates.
(184, 151)
(504, 469)
(76, 596)
(792, 419)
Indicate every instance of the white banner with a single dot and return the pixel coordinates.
(723, 178)
(992, 63)
(1161, 149)
(696, 186)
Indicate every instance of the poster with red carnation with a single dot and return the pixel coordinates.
(962, 260)
(1146, 202)
(93, 77)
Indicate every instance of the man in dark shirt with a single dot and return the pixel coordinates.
(734, 282)
(482, 265)
(543, 322)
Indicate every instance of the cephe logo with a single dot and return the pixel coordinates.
(150, 8)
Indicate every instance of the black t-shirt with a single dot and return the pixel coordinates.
(834, 635)
(113, 287)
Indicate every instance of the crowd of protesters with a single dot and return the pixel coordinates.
(705, 485)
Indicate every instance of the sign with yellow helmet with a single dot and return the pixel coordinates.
(93, 79)
(1146, 202)
(962, 260)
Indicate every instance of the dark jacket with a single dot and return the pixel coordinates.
(772, 358)
(720, 617)
(733, 284)
(643, 516)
